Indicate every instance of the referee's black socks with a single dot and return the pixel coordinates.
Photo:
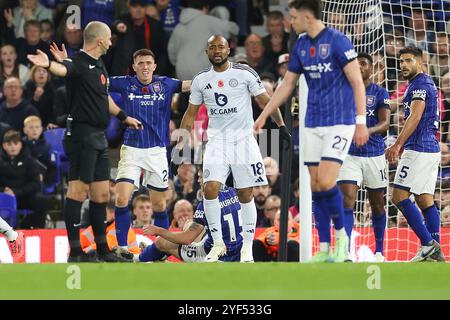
(72, 217)
(97, 215)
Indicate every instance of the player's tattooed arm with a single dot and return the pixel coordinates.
(185, 237)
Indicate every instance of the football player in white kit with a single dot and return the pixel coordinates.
(226, 89)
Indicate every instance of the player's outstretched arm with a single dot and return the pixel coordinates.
(353, 74)
(40, 59)
(185, 237)
(186, 85)
(417, 110)
(187, 122)
(281, 94)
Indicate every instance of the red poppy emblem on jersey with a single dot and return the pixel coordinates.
(103, 79)
(220, 84)
(312, 52)
(144, 89)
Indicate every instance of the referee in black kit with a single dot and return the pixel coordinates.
(85, 142)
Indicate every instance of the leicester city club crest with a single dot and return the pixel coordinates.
(324, 51)
(156, 87)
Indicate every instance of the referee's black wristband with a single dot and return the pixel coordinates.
(121, 116)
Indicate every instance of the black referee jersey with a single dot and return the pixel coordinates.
(87, 90)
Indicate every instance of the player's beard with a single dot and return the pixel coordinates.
(411, 74)
(218, 64)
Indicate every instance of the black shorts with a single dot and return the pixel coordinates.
(88, 156)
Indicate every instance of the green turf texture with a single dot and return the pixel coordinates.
(224, 281)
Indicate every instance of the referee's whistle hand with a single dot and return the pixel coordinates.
(361, 135)
(133, 123)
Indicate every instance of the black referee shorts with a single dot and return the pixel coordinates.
(88, 156)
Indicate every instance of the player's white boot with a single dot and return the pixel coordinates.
(216, 252)
(379, 257)
(425, 252)
(247, 253)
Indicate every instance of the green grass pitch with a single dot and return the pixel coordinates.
(271, 281)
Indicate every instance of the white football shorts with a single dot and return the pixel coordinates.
(369, 172)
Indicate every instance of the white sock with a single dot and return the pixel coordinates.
(7, 230)
(325, 247)
(340, 233)
(248, 217)
(212, 213)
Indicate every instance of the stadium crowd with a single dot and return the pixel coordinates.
(32, 101)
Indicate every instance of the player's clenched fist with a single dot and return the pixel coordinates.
(361, 135)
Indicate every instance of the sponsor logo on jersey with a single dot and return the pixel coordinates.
(208, 86)
(324, 51)
(233, 83)
(154, 97)
(387, 101)
(315, 70)
(156, 87)
(370, 100)
(221, 99)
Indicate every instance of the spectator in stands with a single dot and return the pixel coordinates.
(417, 34)
(9, 67)
(260, 194)
(135, 30)
(255, 54)
(439, 63)
(28, 10)
(87, 236)
(336, 20)
(273, 175)
(282, 67)
(142, 210)
(295, 208)
(379, 65)
(39, 90)
(30, 42)
(188, 40)
(445, 220)
(19, 176)
(73, 39)
(15, 109)
(47, 31)
(271, 206)
(168, 12)
(185, 185)
(265, 247)
(39, 149)
(445, 87)
(276, 42)
(182, 212)
(394, 42)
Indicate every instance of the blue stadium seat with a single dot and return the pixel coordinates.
(54, 138)
(8, 208)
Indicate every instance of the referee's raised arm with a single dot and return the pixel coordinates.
(41, 59)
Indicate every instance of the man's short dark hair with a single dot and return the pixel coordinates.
(416, 51)
(367, 56)
(197, 4)
(140, 198)
(315, 6)
(144, 52)
(32, 23)
(275, 15)
(47, 21)
(11, 136)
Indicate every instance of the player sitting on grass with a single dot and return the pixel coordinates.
(195, 241)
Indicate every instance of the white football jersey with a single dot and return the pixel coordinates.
(227, 96)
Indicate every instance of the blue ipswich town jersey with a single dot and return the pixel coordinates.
(322, 60)
(423, 138)
(151, 104)
(230, 220)
(377, 98)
